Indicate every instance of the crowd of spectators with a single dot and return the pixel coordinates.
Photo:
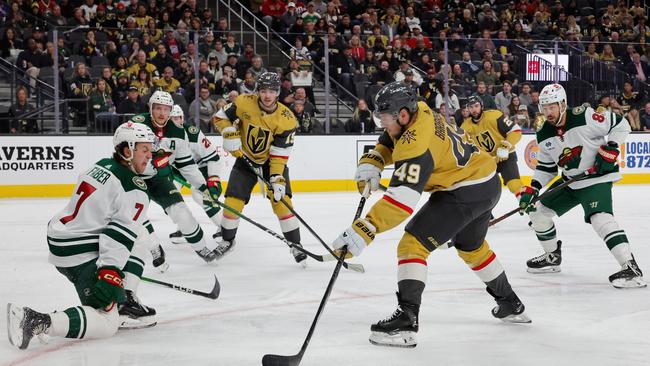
(125, 50)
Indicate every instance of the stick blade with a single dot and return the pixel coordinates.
(216, 290)
(278, 360)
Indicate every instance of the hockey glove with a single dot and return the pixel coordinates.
(278, 184)
(214, 187)
(356, 237)
(108, 289)
(369, 171)
(232, 141)
(503, 151)
(526, 197)
(607, 158)
(160, 161)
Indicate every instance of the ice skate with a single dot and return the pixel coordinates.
(158, 256)
(509, 309)
(399, 329)
(24, 323)
(224, 247)
(299, 256)
(177, 238)
(217, 236)
(135, 315)
(630, 276)
(547, 262)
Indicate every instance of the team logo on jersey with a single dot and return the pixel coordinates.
(286, 114)
(408, 136)
(138, 119)
(570, 158)
(579, 109)
(257, 138)
(139, 182)
(193, 130)
(486, 141)
(245, 116)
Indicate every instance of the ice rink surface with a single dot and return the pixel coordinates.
(267, 301)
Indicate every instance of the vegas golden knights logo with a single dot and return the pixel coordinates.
(257, 138)
(486, 141)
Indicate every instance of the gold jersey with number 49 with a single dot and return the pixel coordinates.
(265, 136)
(429, 156)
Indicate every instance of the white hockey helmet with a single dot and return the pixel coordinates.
(177, 111)
(160, 97)
(553, 93)
(132, 133)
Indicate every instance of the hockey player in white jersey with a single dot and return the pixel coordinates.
(173, 148)
(578, 140)
(92, 240)
(207, 160)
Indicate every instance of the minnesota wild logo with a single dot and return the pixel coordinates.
(570, 158)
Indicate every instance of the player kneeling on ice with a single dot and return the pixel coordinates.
(263, 135)
(93, 241)
(207, 160)
(578, 140)
(172, 148)
(430, 156)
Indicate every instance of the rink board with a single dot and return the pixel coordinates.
(48, 166)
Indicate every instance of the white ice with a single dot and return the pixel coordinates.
(267, 301)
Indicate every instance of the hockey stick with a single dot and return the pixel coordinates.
(294, 360)
(320, 258)
(214, 294)
(547, 193)
(284, 202)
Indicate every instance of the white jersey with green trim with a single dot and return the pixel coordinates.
(203, 151)
(103, 219)
(574, 146)
(173, 139)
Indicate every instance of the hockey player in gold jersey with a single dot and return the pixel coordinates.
(430, 156)
(259, 128)
(497, 135)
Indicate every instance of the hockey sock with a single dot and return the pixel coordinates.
(487, 267)
(544, 228)
(411, 269)
(230, 221)
(187, 224)
(84, 322)
(615, 239)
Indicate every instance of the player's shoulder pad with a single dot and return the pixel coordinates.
(416, 139)
(173, 131)
(492, 114)
(544, 133)
(144, 118)
(126, 178)
(286, 119)
(581, 109)
(192, 132)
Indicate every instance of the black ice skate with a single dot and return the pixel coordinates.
(177, 238)
(547, 262)
(224, 247)
(217, 236)
(24, 323)
(630, 276)
(135, 315)
(509, 309)
(299, 256)
(159, 262)
(399, 329)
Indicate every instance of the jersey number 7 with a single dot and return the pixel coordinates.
(84, 191)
